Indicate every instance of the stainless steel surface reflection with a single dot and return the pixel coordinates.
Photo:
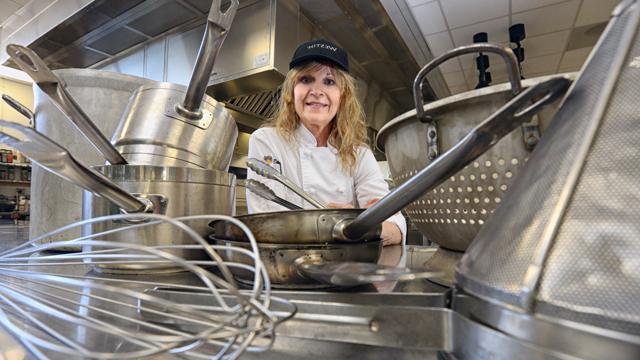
(322, 314)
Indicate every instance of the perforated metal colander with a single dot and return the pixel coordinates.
(452, 214)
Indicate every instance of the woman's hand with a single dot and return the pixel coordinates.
(391, 234)
(333, 205)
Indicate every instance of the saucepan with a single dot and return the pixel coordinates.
(331, 227)
(169, 124)
(171, 191)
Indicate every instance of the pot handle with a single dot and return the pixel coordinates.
(357, 273)
(17, 106)
(53, 157)
(55, 89)
(506, 53)
(476, 143)
(218, 24)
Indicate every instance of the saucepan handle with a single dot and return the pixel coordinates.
(505, 53)
(55, 89)
(476, 143)
(356, 273)
(17, 106)
(53, 157)
(218, 24)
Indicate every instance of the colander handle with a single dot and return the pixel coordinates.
(505, 53)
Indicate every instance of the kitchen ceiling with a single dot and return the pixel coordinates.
(559, 34)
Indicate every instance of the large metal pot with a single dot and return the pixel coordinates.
(180, 191)
(171, 191)
(452, 214)
(168, 124)
(558, 264)
(95, 91)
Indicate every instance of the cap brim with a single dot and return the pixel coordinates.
(303, 59)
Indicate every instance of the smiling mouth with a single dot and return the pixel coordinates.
(316, 105)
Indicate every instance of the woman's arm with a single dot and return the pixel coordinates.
(370, 187)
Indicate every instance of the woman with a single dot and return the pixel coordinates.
(318, 139)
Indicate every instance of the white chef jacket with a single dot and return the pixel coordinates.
(317, 170)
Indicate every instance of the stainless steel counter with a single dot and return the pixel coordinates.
(329, 324)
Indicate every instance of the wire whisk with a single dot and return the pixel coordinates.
(62, 304)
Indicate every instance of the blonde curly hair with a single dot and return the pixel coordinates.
(348, 128)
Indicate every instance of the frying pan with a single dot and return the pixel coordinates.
(320, 226)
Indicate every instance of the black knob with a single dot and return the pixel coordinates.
(480, 37)
(516, 33)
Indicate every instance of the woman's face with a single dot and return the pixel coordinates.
(317, 98)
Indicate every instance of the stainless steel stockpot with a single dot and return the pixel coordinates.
(179, 191)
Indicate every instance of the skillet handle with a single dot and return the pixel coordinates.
(357, 273)
(476, 143)
(56, 159)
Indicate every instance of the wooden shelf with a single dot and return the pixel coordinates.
(15, 164)
(14, 183)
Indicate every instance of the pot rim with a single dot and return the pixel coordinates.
(155, 173)
(434, 106)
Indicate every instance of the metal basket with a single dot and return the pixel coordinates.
(452, 214)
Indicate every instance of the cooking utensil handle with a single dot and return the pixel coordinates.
(55, 89)
(15, 104)
(53, 157)
(267, 193)
(261, 168)
(218, 24)
(505, 53)
(356, 273)
(478, 141)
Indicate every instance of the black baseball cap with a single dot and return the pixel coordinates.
(320, 50)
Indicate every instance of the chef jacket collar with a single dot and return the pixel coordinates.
(306, 138)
